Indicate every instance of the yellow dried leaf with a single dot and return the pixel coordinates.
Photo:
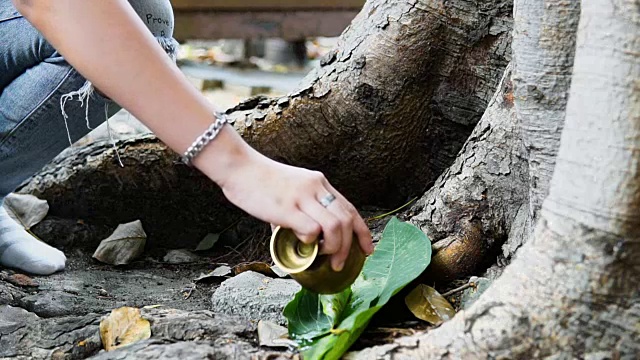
(122, 327)
(427, 304)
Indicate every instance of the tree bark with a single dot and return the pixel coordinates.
(572, 291)
(544, 37)
(478, 204)
(469, 211)
(382, 116)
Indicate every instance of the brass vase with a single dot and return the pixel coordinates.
(312, 270)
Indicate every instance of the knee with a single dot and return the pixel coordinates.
(157, 15)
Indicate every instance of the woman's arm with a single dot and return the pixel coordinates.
(110, 46)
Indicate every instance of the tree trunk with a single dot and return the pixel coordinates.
(544, 37)
(382, 116)
(469, 211)
(572, 291)
(478, 204)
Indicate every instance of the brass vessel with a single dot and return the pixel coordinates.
(312, 270)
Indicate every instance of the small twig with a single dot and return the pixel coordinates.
(471, 283)
(188, 290)
(387, 330)
(457, 290)
(392, 211)
(230, 226)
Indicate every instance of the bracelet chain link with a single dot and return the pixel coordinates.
(204, 139)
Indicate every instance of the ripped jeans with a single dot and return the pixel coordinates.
(45, 104)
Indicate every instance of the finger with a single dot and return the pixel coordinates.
(305, 228)
(346, 219)
(360, 227)
(331, 227)
(363, 233)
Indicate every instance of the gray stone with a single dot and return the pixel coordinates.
(9, 293)
(254, 296)
(181, 256)
(470, 295)
(220, 349)
(14, 318)
(49, 304)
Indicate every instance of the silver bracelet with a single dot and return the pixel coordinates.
(204, 139)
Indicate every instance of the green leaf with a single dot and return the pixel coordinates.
(334, 305)
(334, 345)
(402, 254)
(306, 317)
(356, 325)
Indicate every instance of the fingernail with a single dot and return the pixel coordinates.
(339, 266)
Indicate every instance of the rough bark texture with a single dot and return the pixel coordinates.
(478, 203)
(572, 291)
(469, 211)
(382, 116)
(544, 38)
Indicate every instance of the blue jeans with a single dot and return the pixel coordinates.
(35, 78)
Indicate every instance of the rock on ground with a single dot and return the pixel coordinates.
(156, 349)
(59, 318)
(175, 334)
(255, 297)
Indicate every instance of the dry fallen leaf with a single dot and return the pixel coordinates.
(26, 209)
(273, 335)
(427, 304)
(122, 327)
(22, 280)
(220, 271)
(279, 272)
(124, 245)
(208, 242)
(18, 279)
(259, 267)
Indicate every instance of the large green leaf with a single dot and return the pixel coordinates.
(402, 254)
(311, 315)
(333, 305)
(306, 317)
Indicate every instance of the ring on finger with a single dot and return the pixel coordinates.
(327, 199)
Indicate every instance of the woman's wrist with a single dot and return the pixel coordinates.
(224, 156)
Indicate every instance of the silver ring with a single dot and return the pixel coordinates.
(327, 199)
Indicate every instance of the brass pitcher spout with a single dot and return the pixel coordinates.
(312, 270)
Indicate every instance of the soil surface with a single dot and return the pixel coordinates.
(58, 316)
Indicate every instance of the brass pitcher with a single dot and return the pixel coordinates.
(312, 270)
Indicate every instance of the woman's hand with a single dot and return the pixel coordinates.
(290, 197)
